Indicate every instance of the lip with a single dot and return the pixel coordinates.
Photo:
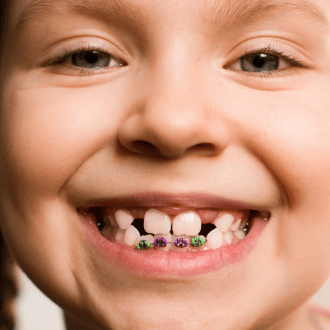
(160, 200)
(161, 264)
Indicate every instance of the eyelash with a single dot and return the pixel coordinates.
(272, 50)
(269, 49)
(66, 53)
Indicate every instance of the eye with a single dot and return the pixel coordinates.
(265, 61)
(86, 60)
(93, 59)
(259, 62)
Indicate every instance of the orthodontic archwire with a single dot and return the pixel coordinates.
(196, 241)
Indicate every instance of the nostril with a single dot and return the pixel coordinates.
(207, 148)
(145, 147)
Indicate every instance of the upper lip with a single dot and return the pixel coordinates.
(165, 200)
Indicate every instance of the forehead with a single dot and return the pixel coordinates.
(317, 11)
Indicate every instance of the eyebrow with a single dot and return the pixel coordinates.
(245, 12)
(233, 11)
(115, 9)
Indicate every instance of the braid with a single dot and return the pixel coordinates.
(8, 288)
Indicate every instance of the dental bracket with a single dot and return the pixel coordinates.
(197, 241)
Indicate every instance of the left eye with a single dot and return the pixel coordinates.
(264, 62)
(258, 62)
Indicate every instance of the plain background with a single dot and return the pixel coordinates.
(37, 312)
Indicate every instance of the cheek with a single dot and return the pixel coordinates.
(50, 133)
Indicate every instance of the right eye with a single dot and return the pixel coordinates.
(88, 61)
(93, 59)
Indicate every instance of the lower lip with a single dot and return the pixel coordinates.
(153, 264)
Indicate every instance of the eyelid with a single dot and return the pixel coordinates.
(272, 50)
(69, 51)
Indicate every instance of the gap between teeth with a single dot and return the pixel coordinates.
(229, 228)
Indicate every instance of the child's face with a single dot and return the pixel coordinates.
(182, 114)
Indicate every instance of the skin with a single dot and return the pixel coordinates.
(67, 138)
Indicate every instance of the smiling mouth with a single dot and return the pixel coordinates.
(173, 228)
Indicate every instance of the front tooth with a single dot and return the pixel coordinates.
(123, 218)
(188, 223)
(224, 222)
(215, 238)
(131, 235)
(107, 230)
(156, 222)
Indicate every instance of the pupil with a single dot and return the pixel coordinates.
(91, 59)
(259, 62)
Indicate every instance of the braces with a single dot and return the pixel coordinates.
(180, 242)
(196, 241)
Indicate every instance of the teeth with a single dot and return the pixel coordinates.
(131, 235)
(243, 224)
(239, 233)
(228, 237)
(215, 238)
(120, 233)
(157, 222)
(178, 248)
(123, 218)
(168, 238)
(188, 223)
(224, 222)
(148, 238)
(110, 221)
(235, 225)
(107, 230)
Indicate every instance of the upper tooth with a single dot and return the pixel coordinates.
(235, 225)
(156, 222)
(188, 223)
(124, 218)
(224, 222)
(110, 221)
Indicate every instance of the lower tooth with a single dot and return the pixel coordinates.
(239, 234)
(106, 230)
(131, 235)
(144, 238)
(215, 238)
(150, 238)
(120, 233)
(160, 245)
(180, 243)
(228, 237)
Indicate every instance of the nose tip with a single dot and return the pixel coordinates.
(170, 134)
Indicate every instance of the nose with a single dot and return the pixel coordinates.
(174, 118)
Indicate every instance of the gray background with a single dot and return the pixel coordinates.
(37, 312)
